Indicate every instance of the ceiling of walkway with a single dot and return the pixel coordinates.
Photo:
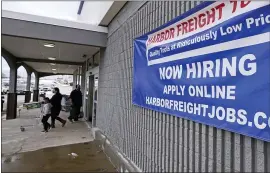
(46, 67)
(35, 54)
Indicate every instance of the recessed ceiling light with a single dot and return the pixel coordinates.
(51, 58)
(50, 45)
(53, 69)
(53, 64)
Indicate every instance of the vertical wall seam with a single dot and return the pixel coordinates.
(253, 155)
(207, 149)
(223, 150)
(242, 155)
(182, 142)
(189, 145)
(193, 147)
(266, 156)
(232, 169)
(214, 149)
(200, 148)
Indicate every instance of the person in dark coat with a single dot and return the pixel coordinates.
(56, 107)
(76, 99)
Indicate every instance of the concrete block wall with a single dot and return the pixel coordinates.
(156, 141)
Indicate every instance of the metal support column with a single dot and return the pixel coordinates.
(27, 91)
(74, 79)
(36, 89)
(78, 75)
(12, 95)
(83, 78)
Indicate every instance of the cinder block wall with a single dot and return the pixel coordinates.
(155, 141)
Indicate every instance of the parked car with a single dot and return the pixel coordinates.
(20, 92)
(65, 82)
(20, 88)
(52, 86)
(5, 89)
(45, 89)
(41, 91)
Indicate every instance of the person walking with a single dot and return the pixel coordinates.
(56, 107)
(46, 113)
(76, 99)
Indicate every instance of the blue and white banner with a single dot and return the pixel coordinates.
(210, 65)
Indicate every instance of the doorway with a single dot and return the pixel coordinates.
(95, 101)
(91, 96)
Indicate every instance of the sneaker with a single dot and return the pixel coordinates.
(70, 120)
(44, 131)
(52, 126)
(64, 123)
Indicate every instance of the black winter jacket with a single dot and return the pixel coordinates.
(56, 102)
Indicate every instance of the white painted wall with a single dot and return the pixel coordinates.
(55, 9)
(94, 11)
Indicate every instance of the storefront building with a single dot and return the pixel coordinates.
(121, 73)
(140, 139)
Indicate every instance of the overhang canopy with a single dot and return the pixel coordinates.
(24, 36)
(45, 28)
(112, 12)
(33, 53)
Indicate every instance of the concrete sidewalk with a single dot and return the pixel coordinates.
(14, 141)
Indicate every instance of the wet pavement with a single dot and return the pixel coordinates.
(59, 159)
(34, 151)
(15, 141)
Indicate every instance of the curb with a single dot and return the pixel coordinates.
(121, 162)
